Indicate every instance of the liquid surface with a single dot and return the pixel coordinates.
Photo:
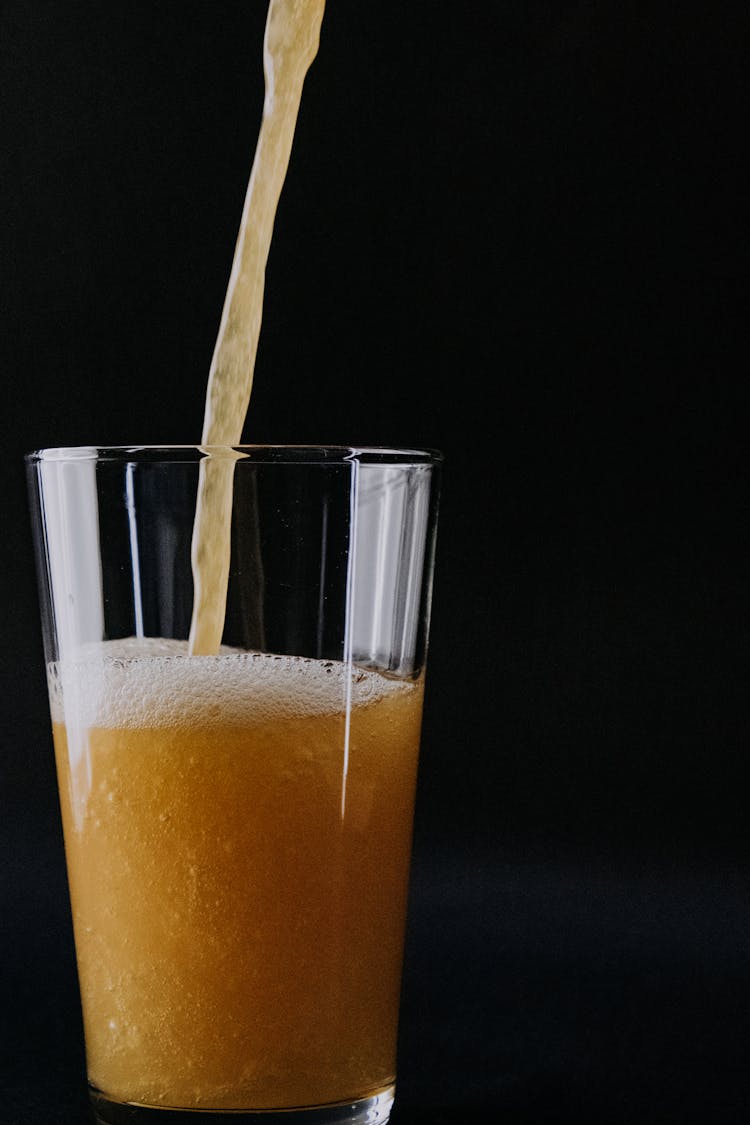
(238, 830)
(290, 45)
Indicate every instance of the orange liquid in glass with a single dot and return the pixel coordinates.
(238, 876)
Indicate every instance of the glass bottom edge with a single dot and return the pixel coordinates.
(372, 1110)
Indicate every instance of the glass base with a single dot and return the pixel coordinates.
(375, 1110)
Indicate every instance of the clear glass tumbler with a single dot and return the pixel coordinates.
(238, 825)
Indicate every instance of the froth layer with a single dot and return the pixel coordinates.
(151, 682)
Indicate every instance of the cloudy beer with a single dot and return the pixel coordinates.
(238, 816)
(237, 832)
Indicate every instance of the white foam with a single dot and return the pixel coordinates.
(151, 682)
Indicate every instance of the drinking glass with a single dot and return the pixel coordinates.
(237, 825)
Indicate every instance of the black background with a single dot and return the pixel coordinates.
(512, 231)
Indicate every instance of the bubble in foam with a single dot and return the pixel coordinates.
(149, 682)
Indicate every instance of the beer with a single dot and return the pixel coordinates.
(249, 955)
(289, 47)
(238, 824)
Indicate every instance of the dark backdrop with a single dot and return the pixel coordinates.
(513, 231)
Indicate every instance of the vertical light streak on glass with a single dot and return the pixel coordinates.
(70, 511)
(135, 562)
(351, 576)
(381, 573)
(322, 592)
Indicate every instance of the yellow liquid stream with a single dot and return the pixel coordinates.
(291, 42)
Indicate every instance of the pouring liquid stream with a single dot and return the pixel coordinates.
(290, 45)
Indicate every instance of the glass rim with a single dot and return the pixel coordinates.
(257, 453)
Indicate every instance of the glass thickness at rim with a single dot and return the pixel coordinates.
(256, 453)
